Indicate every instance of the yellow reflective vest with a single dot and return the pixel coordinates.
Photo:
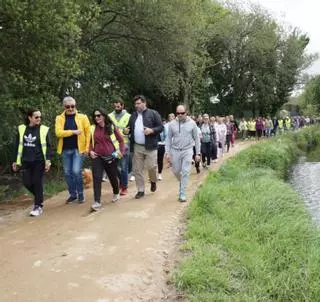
(121, 124)
(43, 141)
(288, 123)
(280, 124)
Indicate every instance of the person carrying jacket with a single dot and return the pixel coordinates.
(145, 125)
(73, 132)
(33, 155)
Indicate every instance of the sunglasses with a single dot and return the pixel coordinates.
(180, 113)
(37, 117)
(69, 106)
(97, 115)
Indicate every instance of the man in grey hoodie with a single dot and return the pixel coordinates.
(182, 136)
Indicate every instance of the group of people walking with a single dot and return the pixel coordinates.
(109, 141)
(120, 143)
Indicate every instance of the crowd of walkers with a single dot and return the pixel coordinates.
(121, 144)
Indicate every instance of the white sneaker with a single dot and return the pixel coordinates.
(116, 197)
(132, 178)
(96, 206)
(36, 211)
(160, 177)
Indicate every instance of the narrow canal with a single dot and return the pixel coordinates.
(305, 179)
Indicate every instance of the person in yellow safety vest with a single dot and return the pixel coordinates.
(106, 148)
(287, 123)
(120, 117)
(280, 126)
(73, 132)
(33, 155)
(252, 128)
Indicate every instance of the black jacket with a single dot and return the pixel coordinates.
(151, 119)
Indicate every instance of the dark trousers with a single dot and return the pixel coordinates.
(161, 152)
(98, 166)
(214, 151)
(32, 177)
(228, 140)
(197, 163)
(206, 152)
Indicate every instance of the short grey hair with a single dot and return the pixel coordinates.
(68, 99)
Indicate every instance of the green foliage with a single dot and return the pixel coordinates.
(309, 100)
(172, 51)
(249, 236)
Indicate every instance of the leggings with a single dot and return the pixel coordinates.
(32, 177)
(161, 152)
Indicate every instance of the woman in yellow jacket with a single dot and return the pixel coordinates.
(73, 132)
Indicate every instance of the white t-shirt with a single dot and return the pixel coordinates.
(139, 137)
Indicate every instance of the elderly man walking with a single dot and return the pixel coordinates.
(73, 132)
(182, 136)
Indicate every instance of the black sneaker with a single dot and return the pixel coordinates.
(139, 195)
(153, 187)
(71, 199)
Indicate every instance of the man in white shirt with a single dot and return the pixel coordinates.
(145, 126)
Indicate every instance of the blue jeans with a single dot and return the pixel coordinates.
(72, 167)
(123, 167)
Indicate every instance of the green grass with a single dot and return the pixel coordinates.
(249, 236)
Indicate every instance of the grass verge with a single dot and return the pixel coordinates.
(249, 236)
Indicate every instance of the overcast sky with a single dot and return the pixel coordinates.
(299, 13)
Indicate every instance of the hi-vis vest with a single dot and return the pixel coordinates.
(121, 124)
(280, 124)
(288, 123)
(112, 136)
(43, 141)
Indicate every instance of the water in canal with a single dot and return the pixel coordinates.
(305, 179)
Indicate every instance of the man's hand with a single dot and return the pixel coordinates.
(76, 132)
(197, 158)
(126, 131)
(148, 131)
(47, 166)
(93, 154)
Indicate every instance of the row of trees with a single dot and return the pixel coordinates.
(170, 50)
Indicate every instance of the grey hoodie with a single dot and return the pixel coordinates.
(182, 135)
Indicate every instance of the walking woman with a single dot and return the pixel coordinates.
(229, 134)
(33, 155)
(106, 147)
(259, 127)
(221, 135)
(207, 141)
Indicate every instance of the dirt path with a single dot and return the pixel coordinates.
(122, 253)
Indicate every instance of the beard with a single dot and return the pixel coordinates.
(118, 111)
